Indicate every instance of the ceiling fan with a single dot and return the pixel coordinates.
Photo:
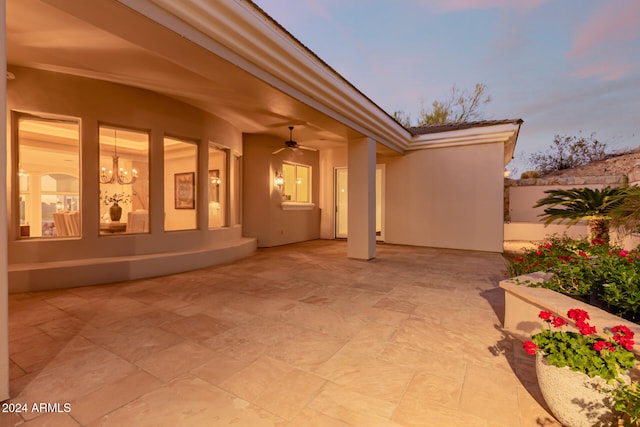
(293, 145)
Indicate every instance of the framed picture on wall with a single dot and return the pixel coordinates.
(185, 190)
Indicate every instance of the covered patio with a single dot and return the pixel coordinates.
(297, 335)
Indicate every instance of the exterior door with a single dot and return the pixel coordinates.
(342, 197)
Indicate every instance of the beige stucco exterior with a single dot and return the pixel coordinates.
(446, 197)
(41, 264)
(226, 75)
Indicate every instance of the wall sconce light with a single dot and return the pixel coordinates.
(279, 180)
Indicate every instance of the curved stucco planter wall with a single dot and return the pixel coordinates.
(524, 303)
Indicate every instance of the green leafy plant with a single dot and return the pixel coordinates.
(627, 403)
(606, 274)
(583, 351)
(576, 204)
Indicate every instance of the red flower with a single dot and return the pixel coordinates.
(597, 242)
(624, 330)
(545, 315)
(538, 252)
(623, 253)
(578, 315)
(558, 321)
(603, 345)
(530, 347)
(519, 260)
(548, 245)
(586, 329)
(623, 336)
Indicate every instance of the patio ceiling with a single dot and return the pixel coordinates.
(108, 40)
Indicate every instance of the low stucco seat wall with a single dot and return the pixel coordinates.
(41, 276)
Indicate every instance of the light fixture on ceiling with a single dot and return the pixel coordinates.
(117, 174)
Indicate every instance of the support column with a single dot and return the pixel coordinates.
(361, 240)
(4, 276)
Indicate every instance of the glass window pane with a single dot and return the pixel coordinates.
(237, 190)
(124, 181)
(297, 183)
(49, 177)
(180, 178)
(217, 187)
(289, 176)
(302, 184)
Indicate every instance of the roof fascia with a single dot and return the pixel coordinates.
(238, 32)
(506, 134)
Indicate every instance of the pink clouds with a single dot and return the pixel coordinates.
(457, 5)
(610, 22)
(606, 70)
(602, 47)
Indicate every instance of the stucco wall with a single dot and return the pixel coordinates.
(524, 195)
(446, 197)
(95, 102)
(264, 217)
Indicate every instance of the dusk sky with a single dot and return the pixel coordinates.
(567, 67)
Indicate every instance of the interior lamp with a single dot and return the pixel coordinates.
(117, 174)
(279, 180)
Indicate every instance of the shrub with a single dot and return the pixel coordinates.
(595, 271)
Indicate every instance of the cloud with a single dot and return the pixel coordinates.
(606, 70)
(458, 5)
(611, 22)
(601, 46)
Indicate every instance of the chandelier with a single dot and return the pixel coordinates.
(117, 174)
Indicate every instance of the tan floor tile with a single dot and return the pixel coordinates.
(252, 381)
(287, 396)
(52, 420)
(94, 405)
(198, 328)
(532, 411)
(311, 418)
(233, 343)
(425, 392)
(366, 375)
(63, 328)
(219, 368)
(175, 360)
(267, 331)
(308, 350)
(188, 402)
(353, 408)
(79, 368)
(398, 305)
(139, 343)
(35, 352)
(299, 331)
(490, 394)
(439, 416)
(323, 319)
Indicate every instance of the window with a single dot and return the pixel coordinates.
(297, 183)
(237, 190)
(217, 187)
(124, 181)
(180, 178)
(48, 176)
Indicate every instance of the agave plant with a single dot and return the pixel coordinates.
(576, 204)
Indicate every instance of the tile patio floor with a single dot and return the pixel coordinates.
(292, 336)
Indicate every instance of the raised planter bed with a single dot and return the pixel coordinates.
(523, 304)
